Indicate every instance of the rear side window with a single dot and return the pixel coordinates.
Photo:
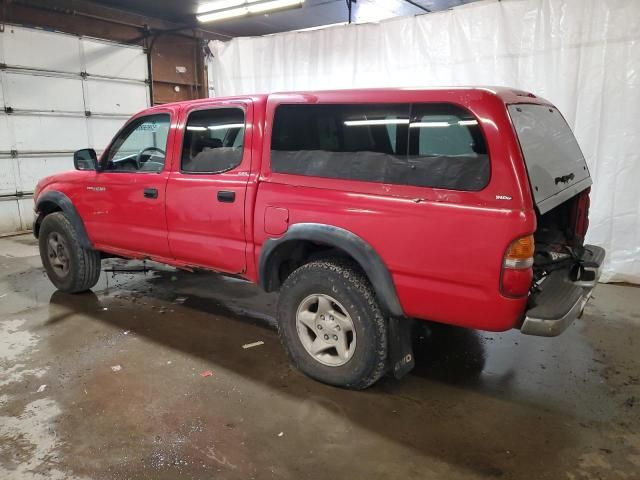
(213, 141)
(355, 142)
(428, 145)
(447, 149)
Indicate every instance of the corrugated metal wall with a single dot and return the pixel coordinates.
(58, 93)
(63, 87)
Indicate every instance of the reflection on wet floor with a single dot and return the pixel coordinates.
(477, 405)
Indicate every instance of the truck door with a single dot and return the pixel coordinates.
(207, 188)
(123, 204)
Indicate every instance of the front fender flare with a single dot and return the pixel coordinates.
(59, 201)
(336, 237)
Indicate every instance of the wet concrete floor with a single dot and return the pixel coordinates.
(108, 385)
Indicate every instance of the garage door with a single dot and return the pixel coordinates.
(58, 93)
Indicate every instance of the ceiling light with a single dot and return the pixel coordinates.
(273, 5)
(219, 5)
(429, 124)
(225, 9)
(225, 126)
(386, 121)
(223, 15)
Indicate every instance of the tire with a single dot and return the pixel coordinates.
(72, 269)
(359, 357)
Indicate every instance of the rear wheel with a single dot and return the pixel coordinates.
(331, 325)
(70, 267)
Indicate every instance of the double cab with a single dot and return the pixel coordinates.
(368, 210)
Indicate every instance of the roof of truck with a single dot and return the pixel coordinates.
(507, 94)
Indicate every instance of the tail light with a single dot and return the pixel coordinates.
(517, 273)
(580, 216)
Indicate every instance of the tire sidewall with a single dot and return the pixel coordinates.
(53, 223)
(321, 278)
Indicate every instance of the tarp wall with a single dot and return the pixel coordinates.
(583, 55)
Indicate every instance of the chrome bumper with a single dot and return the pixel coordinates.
(560, 300)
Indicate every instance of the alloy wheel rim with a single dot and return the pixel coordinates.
(326, 330)
(58, 254)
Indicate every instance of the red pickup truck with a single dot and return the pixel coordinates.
(366, 209)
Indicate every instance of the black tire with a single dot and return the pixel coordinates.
(345, 283)
(82, 266)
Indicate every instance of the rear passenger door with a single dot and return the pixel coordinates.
(207, 188)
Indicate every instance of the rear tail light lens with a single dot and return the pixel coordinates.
(517, 273)
(520, 253)
(580, 216)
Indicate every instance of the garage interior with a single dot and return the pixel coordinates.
(162, 374)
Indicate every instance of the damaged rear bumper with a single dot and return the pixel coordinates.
(561, 300)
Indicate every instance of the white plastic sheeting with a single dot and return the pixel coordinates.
(583, 55)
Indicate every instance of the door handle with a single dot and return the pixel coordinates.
(226, 196)
(151, 193)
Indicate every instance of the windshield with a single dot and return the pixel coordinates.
(555, 164)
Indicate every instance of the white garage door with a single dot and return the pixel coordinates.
(58, 93)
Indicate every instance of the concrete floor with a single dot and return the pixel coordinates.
(477, 405)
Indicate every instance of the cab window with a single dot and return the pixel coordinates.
(141, 146)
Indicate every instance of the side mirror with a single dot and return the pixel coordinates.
(85, 159)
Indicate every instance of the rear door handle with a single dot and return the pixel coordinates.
(226, 196)
(151, 193)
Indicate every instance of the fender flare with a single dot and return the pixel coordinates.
(336, 237)
(63, 203)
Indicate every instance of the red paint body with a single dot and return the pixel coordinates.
(444, 248)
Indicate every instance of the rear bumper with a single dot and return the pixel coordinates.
(560, 300)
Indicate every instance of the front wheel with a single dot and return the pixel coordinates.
(70, 267)
(331, 324)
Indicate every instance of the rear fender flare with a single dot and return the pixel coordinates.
(358, 249)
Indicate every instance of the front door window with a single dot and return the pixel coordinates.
(140, 147)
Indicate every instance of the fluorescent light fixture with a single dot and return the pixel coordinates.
(225, 9)
(218, 5)
(385, 121)
(467, 122)
(197, 129)
(225, 126)
(429, 124)
(223, 15)
(273, 5)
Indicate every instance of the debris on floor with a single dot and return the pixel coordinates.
(206, 373)
(116, 368)
(251, 345)
(41, 388)
(281, 434)
(180, 300)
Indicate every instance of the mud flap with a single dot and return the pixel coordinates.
(400, 346)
